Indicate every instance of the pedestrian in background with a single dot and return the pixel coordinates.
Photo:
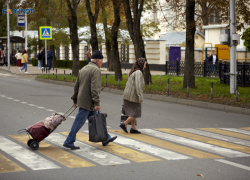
(89, 55)
(208, 66)
(87, 97)
(39, 58)
(1, 54)
(213, 59)
(133, 95)
(49, 58)
(43, 58)
(19, 58)
(24, 61)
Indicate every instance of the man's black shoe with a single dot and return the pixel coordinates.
(122, 125)
(108, 141)
(71, 147)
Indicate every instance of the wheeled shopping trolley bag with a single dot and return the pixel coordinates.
(42, 129)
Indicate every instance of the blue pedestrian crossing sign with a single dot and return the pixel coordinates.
(45, 32)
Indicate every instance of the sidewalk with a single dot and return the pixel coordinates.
(164, 98)
(33, 70)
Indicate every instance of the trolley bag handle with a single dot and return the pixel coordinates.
(68, 111)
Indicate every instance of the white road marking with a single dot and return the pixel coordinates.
(157, 151)
(196, 144)
(16, 100)
(51, 110)
(31, 105)
(73, 117)
(216, 136)
(23, 102)
(89, 152)
(233, 164)
(9, 98)
(25, 156)
(40, 107)
(237, 130)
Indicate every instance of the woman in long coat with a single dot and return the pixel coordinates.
(133, 95)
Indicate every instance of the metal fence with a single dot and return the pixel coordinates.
(242, 71)
(206, 69)
(200, 69)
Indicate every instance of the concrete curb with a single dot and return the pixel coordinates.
(8, 71)
(165, 98)
(188, 102)
(55, 82)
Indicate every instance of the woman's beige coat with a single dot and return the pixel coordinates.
(24, 58)
(134, 88)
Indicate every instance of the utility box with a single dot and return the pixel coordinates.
(225, 37)
(236, 39)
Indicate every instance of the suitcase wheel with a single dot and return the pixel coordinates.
(30, 141)
(34, 145)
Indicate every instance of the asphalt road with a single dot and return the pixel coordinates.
(173, 144)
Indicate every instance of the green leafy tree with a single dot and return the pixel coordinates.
(246, 37)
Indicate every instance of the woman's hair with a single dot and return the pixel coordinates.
(138, 65)
(24, 51)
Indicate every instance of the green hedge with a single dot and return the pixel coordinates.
(34, 62)
(61, 63)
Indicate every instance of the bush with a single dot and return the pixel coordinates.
(61, 63)
(34, 62)
(69, 63)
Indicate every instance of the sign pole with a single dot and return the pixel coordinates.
(46, 54)
(8, 34)
(26, 34)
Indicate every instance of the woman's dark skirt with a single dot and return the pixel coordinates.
(132, 109)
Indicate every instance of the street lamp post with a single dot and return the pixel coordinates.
(233, 64)
(8, 34)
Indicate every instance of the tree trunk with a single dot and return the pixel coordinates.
(92, 20)
(189, 53)
(72, 20)
(114, 42)
(133, 25)
(107, 40)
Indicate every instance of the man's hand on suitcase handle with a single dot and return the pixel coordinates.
(74, 105)
(98, 108)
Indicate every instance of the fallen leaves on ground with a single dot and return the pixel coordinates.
(200, 175)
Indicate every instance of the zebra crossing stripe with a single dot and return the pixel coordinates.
(167, 145)
(237, 130)
(193, 143)
(212, 141)
(246, 128)
(65, 158)
(89, 152)
(160, 152)
(216, 136)
(27, 157)
(227, 133)
(116, 149)
(6, 165)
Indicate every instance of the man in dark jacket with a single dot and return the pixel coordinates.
(87, 97)
(49, 58)
(43, 58)
(213, 60)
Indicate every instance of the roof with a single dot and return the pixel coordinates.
(177, 37)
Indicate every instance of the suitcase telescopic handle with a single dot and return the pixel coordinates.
(68, 111)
